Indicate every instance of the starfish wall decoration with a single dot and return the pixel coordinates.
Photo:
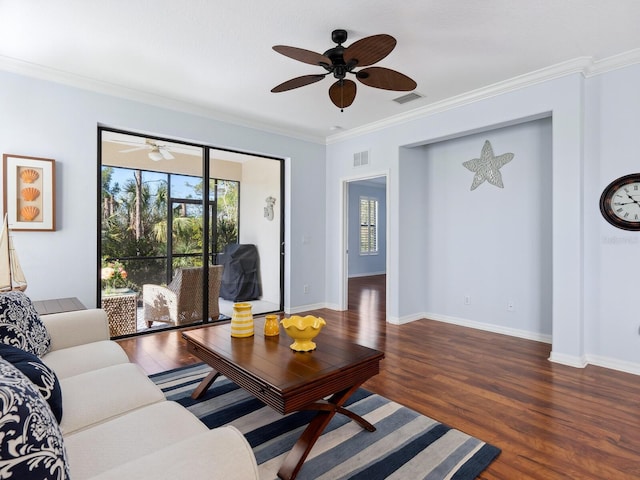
(487, 167)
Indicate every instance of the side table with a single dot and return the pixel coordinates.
(121, 311)
(58, 305)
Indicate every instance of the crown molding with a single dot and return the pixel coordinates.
(584, 65)
(28, 69)
(615, 62)
(587, 66)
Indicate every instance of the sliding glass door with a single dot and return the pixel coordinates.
(161, 223)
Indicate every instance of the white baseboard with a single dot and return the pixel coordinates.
(405, 319)
(489, 327)
(334, 306)
(596, 360)
(569, 360)
(305, 308)
(614, 364)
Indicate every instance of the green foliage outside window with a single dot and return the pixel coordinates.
(134, 222)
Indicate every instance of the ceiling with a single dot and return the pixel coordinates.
(134, 151)
(215, 58)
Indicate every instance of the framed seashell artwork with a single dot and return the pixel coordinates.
(29, 192)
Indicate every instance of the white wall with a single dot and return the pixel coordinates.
(261, 179)
(594, 140)
(411, 235)
(491, 245)
(612, 256)
(45, 119)
(594, 288)
(562, 98)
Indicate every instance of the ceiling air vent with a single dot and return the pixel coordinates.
(361, 158)
(409, 97)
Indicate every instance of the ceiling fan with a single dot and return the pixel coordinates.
(157, 151)
(341, 60)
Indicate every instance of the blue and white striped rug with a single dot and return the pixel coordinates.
(405, 445)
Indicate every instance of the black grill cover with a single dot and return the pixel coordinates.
(240, 278)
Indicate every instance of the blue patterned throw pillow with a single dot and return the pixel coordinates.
(40, 375)
(31, 446)
(20, 324)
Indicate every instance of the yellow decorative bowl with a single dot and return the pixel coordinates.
(303, 330)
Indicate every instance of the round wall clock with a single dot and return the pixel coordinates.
(620, 202)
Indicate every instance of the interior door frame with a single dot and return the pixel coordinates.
(343, 283)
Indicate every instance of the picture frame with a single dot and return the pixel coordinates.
(29, 192)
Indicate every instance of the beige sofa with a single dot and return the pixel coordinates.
(116, 422)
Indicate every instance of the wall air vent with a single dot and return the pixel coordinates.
(409, 97)
(361, 158)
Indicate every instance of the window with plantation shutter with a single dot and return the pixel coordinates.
(368, 226)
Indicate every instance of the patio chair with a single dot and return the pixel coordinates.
(180, 302)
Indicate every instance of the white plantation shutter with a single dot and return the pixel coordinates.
(368, 226)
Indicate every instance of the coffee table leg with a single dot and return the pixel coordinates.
(205, 384)
(326, 410)
(357, 418)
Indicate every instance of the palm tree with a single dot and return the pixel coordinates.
(135, 220)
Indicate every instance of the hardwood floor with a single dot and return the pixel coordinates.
(551, 421)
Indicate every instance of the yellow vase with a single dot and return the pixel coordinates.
(271, 326)
(242, 320)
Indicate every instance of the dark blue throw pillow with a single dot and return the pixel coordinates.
(31, 444)
(40, 375)
(20, 324)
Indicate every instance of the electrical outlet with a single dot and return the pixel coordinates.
(305, 289)
(467, 300)
(510, 306)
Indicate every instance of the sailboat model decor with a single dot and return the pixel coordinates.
(11, 274)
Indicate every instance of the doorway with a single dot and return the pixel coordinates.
(365, 241)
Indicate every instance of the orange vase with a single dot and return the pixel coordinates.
(271, 326)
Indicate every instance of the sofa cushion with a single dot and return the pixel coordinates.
(31, 445)
(20, 324)
(107, 445)
(96, 396)
(71, 361)
(220, 453)
(40, 375)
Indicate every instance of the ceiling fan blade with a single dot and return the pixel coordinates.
(302, 55)
(143, 147)
(166, 154)
(370, 50)
(297, 82)
(385, 78)
(342, 93)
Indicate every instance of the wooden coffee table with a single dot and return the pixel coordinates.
(285, 380)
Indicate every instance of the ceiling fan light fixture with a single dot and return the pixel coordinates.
(155, 155)
(340, 61)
